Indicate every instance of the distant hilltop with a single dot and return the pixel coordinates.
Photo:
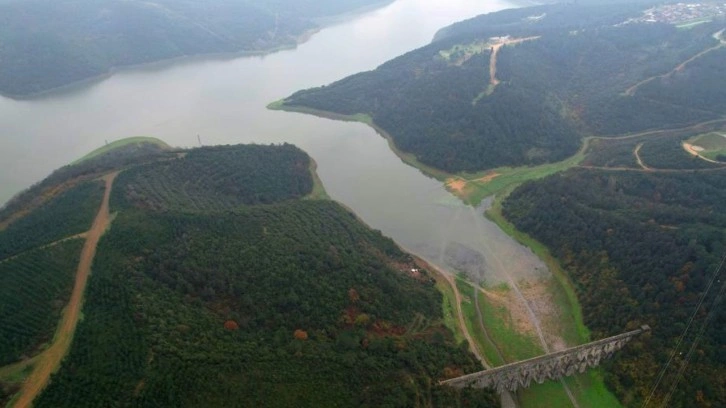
(46, 45)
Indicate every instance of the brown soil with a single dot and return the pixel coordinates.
(51, 358)
(231, 325)
(493, 65)
(489, 177)
(456, 184)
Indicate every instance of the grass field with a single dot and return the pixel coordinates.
(449, 308)
(121, 143)
(512, 345)
(489, 348)
(494, 182)
(588, 388)
(575, 332)
(713, 144)
(461, 52)
(318, 192)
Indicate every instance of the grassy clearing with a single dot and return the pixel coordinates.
(547, 394)
(690, 24)
(471, 319)
(573, 328)
(713, 144)
(449, 308)
(318, 192)
(122, 143)
(710, 141)
(589, 389)
(716, 155)
(461, 52)
(514, 346)
(496, 181)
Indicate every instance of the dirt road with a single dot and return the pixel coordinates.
(493, 81)
(718, 36)
(50, 359)
(636, 152)
(694, 151)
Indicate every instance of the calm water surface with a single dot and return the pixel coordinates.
(224, 100)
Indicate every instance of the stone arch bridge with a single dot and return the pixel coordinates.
(553, 366)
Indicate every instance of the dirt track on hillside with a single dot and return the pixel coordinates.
(493, 81)
(636, 152)
(718, 36)
(51, 358)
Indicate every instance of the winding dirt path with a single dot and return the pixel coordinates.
(493, 80)
(460, 316)
(636, 152)
(50, 359)
(651, 170)
(506, 399)
(695, 152)
(719, 36)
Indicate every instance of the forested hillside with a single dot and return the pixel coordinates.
(218, 178)
(86, 168)
(522, 87)
(274, 301)
(45, 44)
(68, 214)
(641, 248)
(34, 286)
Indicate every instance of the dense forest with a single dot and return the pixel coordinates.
(85, 169)
(34, 287)
(274, 302)
(50, 43)
(218, 178)
(641, 248)
(71, 213)
(582, 71)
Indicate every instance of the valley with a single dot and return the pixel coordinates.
(447, 139)
(496, 205)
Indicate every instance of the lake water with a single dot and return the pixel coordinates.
(223, 100)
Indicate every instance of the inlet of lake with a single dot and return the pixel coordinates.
(223, 100)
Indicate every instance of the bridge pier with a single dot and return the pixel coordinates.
(553, 366)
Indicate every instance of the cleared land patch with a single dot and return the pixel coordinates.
(710, 146)
(127, 142)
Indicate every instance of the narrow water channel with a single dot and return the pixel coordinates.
(223, 101)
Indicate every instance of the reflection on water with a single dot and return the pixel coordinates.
(223, 100)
